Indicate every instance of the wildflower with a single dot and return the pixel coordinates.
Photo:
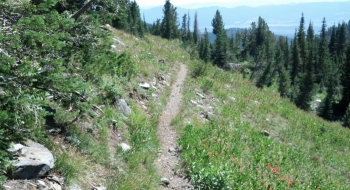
(216, 154)
(210, 153)
(232, 159)
(223, 153)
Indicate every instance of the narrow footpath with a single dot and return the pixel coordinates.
(168, 159)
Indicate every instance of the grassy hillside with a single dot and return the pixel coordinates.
(256, 140)
(98, 158)
(242, 137)
(237, 137)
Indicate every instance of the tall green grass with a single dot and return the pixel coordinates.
(231, 151)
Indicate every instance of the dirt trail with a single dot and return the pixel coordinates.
(168, 160)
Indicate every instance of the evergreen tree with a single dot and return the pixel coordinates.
(332, 47)
(323, 53)
(262, 47)
(183, 31)
(220, 46)
(302, 44)
(134, 19)
(156, 28)
(345, 80)
(204, 51)
(284, 83)
(189, 34)
(340, 42)
(296, 61)
(120, 21)
(307, 83)
(244, 55)
(169, 27)
(196, 32)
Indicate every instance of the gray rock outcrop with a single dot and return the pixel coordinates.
(123, 107)
(33, 161)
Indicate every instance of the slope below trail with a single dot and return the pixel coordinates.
(168, 160)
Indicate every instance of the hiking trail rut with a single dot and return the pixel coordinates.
(167, 161)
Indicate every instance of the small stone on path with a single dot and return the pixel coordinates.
(165, 181)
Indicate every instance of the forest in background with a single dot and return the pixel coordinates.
(310, 64)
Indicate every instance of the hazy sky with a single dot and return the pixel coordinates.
(228, 3)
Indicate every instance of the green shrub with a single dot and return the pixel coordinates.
(198, 69)
(207, 85)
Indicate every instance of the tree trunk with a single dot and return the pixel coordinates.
(83, 9)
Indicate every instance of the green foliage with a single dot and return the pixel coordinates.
(169, 27)
(204, 47)
(346, 118)
(199, 69)
(206, 85)
(220, 46)
(124, 66)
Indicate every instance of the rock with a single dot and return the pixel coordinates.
(165, 181)
(55, 186)
(205, 115)
(15, 148)
(34, 161)
(73, 187)
(55, 179)
(233, 67)
(116, 39)
(55, 130)
(154, 87)
(193, 102)
(145, 85)
(123, 107)
(125, 147)
(171, 149)
(200, 95)
(41, 185)
(154, 95)
(100, 188)
(161, 60)
(266, 133)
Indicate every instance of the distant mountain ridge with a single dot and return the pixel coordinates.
(282, 19)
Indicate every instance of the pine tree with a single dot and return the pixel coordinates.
(122, 11)
(307, 83)
(220, 46)
(156, 28)
(134, 20)
(331, 46)
(323, 56)
(196, 32)
(244, 55)
(284, 83)
(302, 44)
(169, 27)
(296, 61)
(189, 34)
(204, 51)
(345, 80)
(183, 31)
